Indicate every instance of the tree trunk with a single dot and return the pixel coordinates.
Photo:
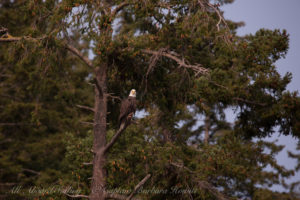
(99, 173)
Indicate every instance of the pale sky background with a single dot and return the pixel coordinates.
(274, 14)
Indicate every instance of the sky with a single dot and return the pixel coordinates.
(273, 14)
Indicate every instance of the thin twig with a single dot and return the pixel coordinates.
(86, 107)
(31, 171)
(89, 163)
(87, 123)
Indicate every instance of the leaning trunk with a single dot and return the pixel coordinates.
(99, 173)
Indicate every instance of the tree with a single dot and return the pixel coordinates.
(185, 59)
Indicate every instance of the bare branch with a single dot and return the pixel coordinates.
(14, 124)
(68, 46)
(89, 163)
(181, 62)
(15, 39)
(249, 102)
(115, 137)
(117, 196)
(80, 55)
(216, 84)
(6, 141)
(181, 166)
(86, 108)
(76, 196)
(212, 189)
(87, 123)
(7, 184)
(118, 8)
(218, 12)
(11, 39)
(114, 97)
(31, 171)
(204, 184)
(137, 187)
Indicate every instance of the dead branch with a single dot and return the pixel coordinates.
(31, 171)
(7, 184)
(76, 196)
(217, 11)
(212, 189)
(6, 141)
(249, 102)
(80, 55)
(118, 8)
(68, 46)
(181, 166)
(181, 62)
(117, 196)
(89, 163)
(15, 39)
(204, 184)
(86, 107)
(87, 123)
(153, 60)
(10, 39)
(114, 97)
(138, 186)
(15, 124)
(115, 137)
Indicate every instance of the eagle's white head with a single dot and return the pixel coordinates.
(132, 93)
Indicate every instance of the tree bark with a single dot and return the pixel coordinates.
(99, 172)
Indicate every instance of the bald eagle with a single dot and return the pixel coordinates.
(128, 107)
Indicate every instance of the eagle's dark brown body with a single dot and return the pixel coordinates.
(128, 107)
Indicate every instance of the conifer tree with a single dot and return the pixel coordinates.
(184, 59)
